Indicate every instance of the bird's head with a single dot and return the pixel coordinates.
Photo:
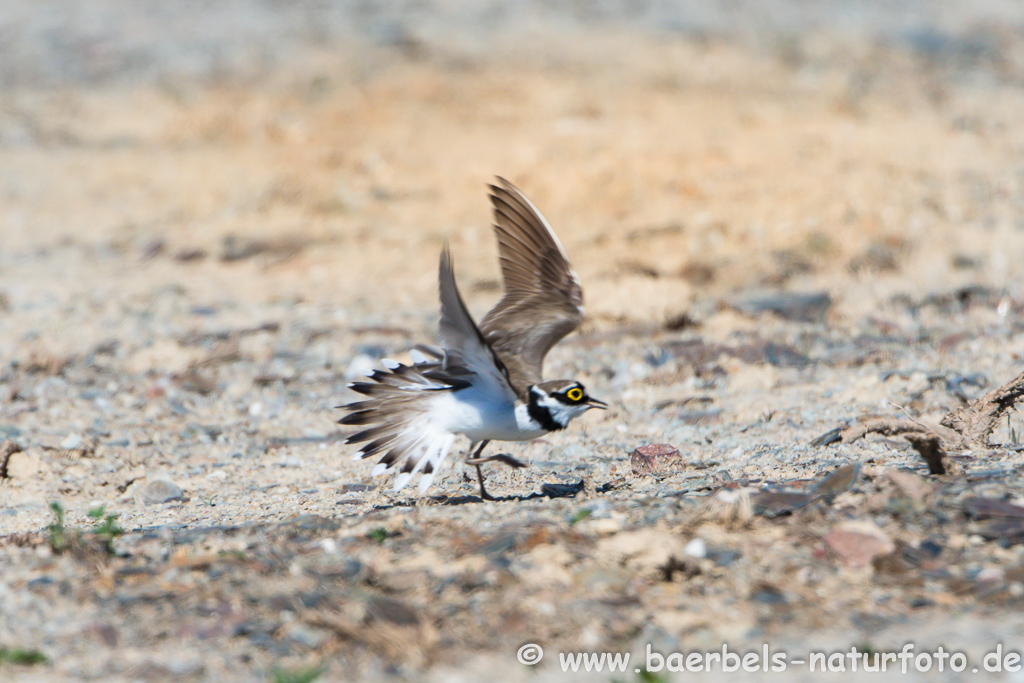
(561, 400)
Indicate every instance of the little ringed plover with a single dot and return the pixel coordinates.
(484, 381)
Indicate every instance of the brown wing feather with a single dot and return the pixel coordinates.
(543, 299)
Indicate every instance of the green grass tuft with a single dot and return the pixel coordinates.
(19, 655)
(62, 537)
(107, 529)
(298, 676)
(380, 534)
(58, 537)
(580, 515)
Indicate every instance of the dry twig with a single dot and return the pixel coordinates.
(967, 427)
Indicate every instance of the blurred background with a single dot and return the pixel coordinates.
(319, 152)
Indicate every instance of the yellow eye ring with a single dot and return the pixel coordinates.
(575, 394)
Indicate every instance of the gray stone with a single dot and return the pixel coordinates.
(160, 491)
(306, 636)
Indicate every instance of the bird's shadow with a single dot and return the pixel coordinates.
(556, 490)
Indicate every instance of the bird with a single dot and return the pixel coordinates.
(483, 381)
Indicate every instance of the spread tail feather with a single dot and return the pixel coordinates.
(395, 420)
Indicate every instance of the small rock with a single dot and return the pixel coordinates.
(839, 481)
(655, 458)
(984, 508)
(929, 549)
(768, 595)
(912, 486)
(234, 248)
(723, 557)
(355, 488)
(991, 574)
(696, 548)
(857, 543)
(1007, 531)
(801, 307)
(72, 442)
(160, 491)
(23, 464)
(187, 254)
(306, 636)
(778, 503)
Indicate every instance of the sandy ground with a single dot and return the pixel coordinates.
(194, 265)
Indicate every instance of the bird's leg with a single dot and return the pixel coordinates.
(483, 492)
(474, 459)
(503, 458)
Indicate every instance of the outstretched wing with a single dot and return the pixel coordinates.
(464, 344)
(543, 299)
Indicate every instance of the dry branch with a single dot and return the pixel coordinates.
(966, 427)
(976, 421)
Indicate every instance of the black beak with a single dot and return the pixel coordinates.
(594, 403)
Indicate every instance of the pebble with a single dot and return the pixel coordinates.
(160, 491)
(23, 465)
(802, 307)
(696, 548)
(768, 595)
(655, 458)
(856, 543)
(306, 636)
(605, 526)
(912, 486)
(991, 574)
(723, 557)
(839, 481)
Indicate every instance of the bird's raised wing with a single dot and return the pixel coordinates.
(543, 299)
(466, 350)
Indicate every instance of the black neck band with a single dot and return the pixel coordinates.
(541, 415)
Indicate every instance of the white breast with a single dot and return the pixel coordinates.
(483, 416)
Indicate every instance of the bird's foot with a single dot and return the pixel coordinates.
(500, 457)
